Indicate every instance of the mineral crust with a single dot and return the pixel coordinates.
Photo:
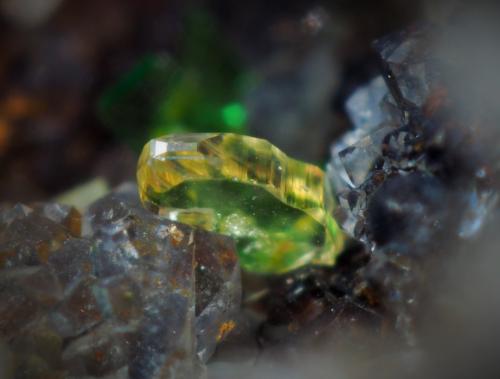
(134, 297)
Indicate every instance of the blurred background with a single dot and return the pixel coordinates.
(84, 84)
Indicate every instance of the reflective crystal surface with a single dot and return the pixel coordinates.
(135, 297)
(364, 105)
(399, 130)
(415, 177)
(411, 71)
(278, 209)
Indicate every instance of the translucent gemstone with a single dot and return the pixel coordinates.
(409, 67)
(363, 106)
(359, 158)
(278, 209)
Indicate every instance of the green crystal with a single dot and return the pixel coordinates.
(198, 92)
(276, 208)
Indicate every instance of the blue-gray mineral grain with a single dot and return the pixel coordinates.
(114, 293)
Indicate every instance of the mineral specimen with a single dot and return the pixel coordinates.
(363, 106)
(135, 297)
(401, 127)
(411, 178)
(411, 69)
(278, 209)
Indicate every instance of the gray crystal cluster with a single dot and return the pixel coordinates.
(117, 293)
(413, 178)
(408, 157)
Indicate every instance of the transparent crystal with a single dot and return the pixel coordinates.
(278, 209)
(363, 106)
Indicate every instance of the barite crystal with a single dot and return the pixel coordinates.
(278, 209)
(135, 296)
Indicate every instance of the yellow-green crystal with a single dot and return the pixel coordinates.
(276, 208)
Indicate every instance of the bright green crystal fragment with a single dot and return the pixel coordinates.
(199, 90)
(276, 208)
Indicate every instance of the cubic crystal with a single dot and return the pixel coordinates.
(278, 209)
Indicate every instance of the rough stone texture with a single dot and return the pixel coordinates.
(412, 178)
(134, 297)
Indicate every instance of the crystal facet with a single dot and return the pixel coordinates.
(278, 209)
(136, 296)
